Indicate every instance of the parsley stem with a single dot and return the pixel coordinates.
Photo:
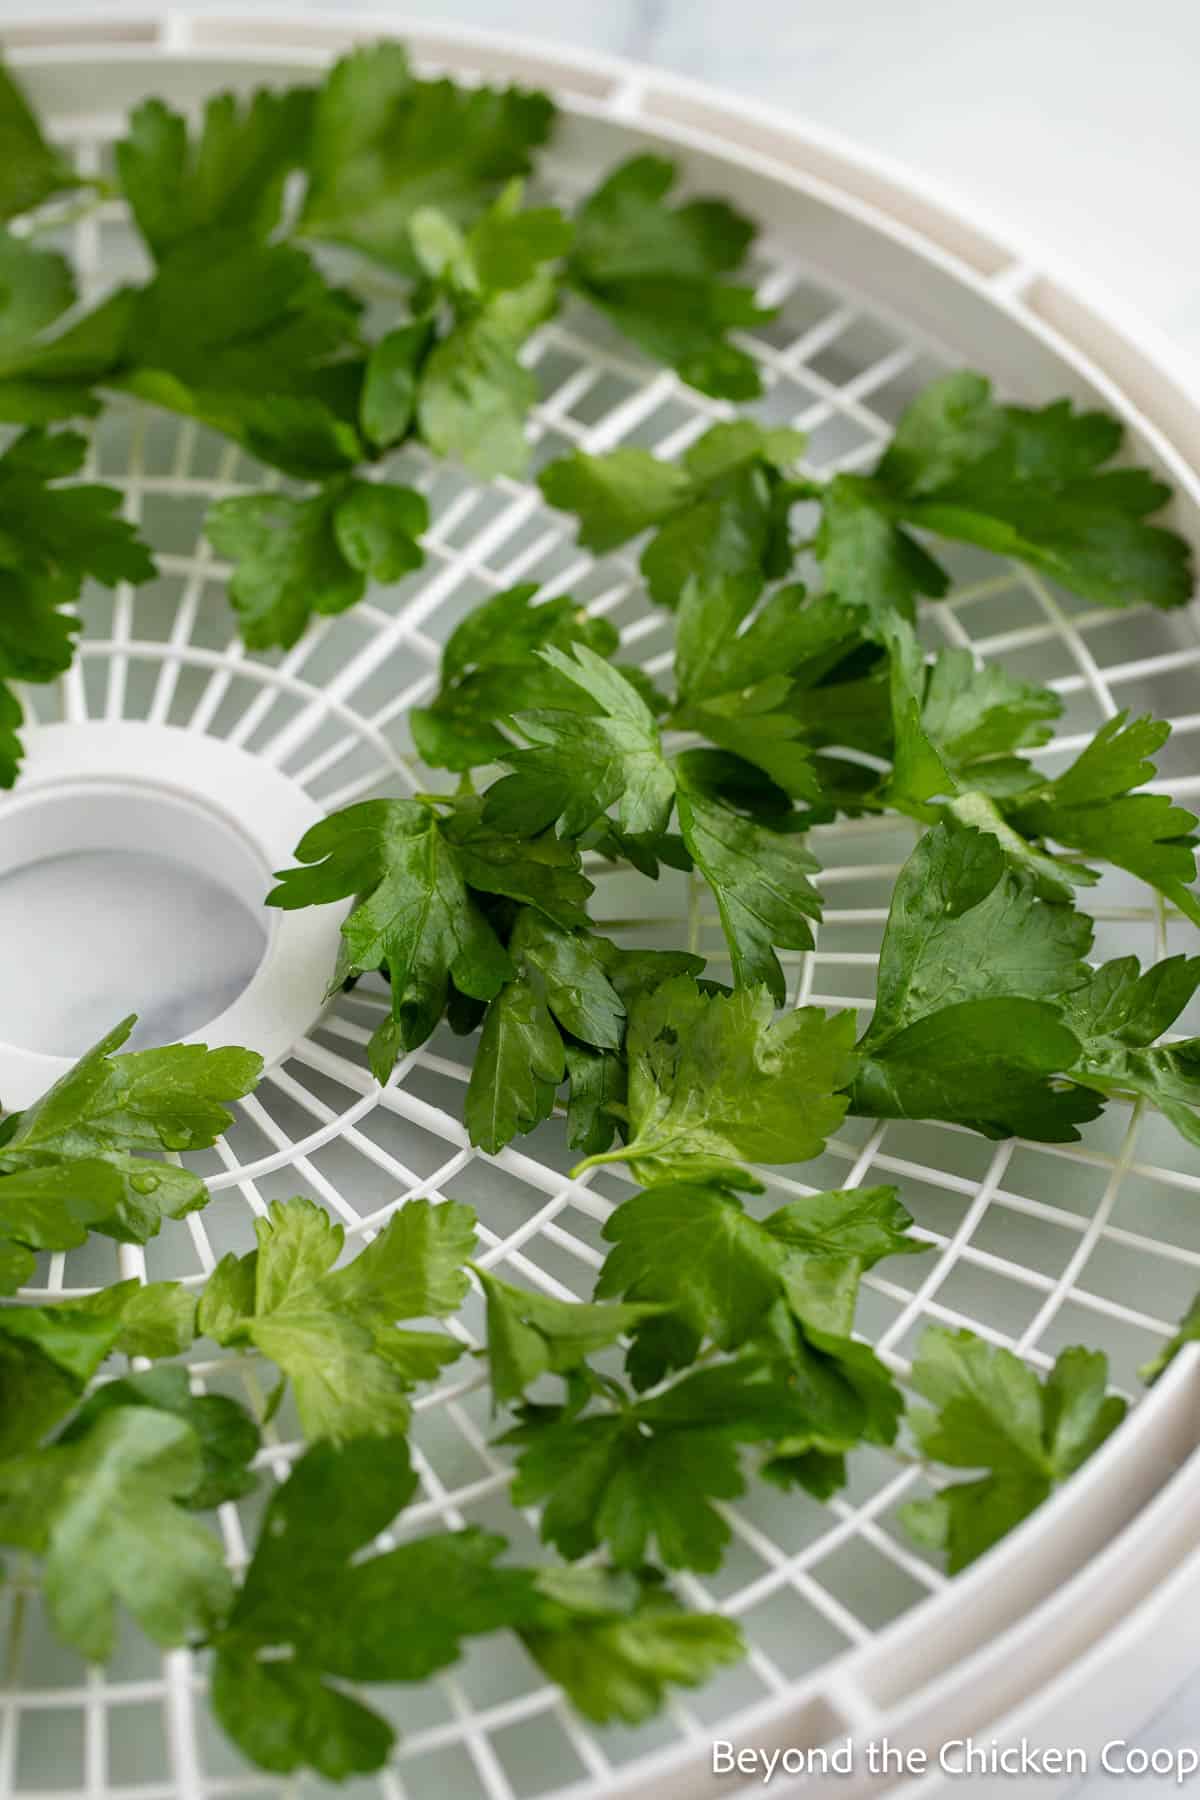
(100, 191)
(601, 1156)
(16, 1623)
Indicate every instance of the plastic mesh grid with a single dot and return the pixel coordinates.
(1033, 1246)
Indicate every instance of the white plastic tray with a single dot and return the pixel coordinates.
(1079, 1620)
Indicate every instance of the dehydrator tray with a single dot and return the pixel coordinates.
(168, 729)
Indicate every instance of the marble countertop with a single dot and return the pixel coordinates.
(1075, 125)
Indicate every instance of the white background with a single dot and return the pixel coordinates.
(1074, 124)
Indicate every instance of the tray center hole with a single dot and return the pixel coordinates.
(119, 898)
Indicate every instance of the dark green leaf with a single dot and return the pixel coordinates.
(1090, 807)
(230, 176)
(597, 1084)
(491, 670)
(1032, 484)
(297, 558)
(250, 339)
(385, 144)
(649, 1473)
(413, 913)
(31, 170)
(790, 633)
(722, 513)
(869, 561)
(656, 272)
(760, 878)
(518, 1066)
(580, 765)
(542, 872)
(694, 1249)
(389, 396)
(972, 969)
(1117, 1017)
(399, 1616)
(52, 538)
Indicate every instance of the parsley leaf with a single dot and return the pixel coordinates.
(597, 1090)
(156, 1318)
(580, 764)
(17, 1266)
(388, 403)
(227, 1436)
(791, 634)
(696, 1250)
(598, 1077)
(414, 912)
(755, 726)
(869, 561)
(250, 339)
(648, 1472)
(716, 1077)
(473, 393)
(229, 177)
(102, 1511)
(1090, 807)
(384, 144)
(530, 1334)
(32, 170)
(759, 876)
(294, 558)
(1023, 483)
(975, 714)
(993, 1413)
(491, 670)
(1118, 1015)
(560, 981)
(721, 513)
(957, 728)
(54, 1208)
(1032, 484)
(314, 1611)
(52, 538)
(36, 288)
(53, 373)
(966, 1024)
(395, 1616)
(89, 1127)
(615, 1641)
(48, 1354)
(1189, 1331)
(962, 927)
(615, 496)
(656, 271)
(517, 1068)
(541, 871)
(334, 1332)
